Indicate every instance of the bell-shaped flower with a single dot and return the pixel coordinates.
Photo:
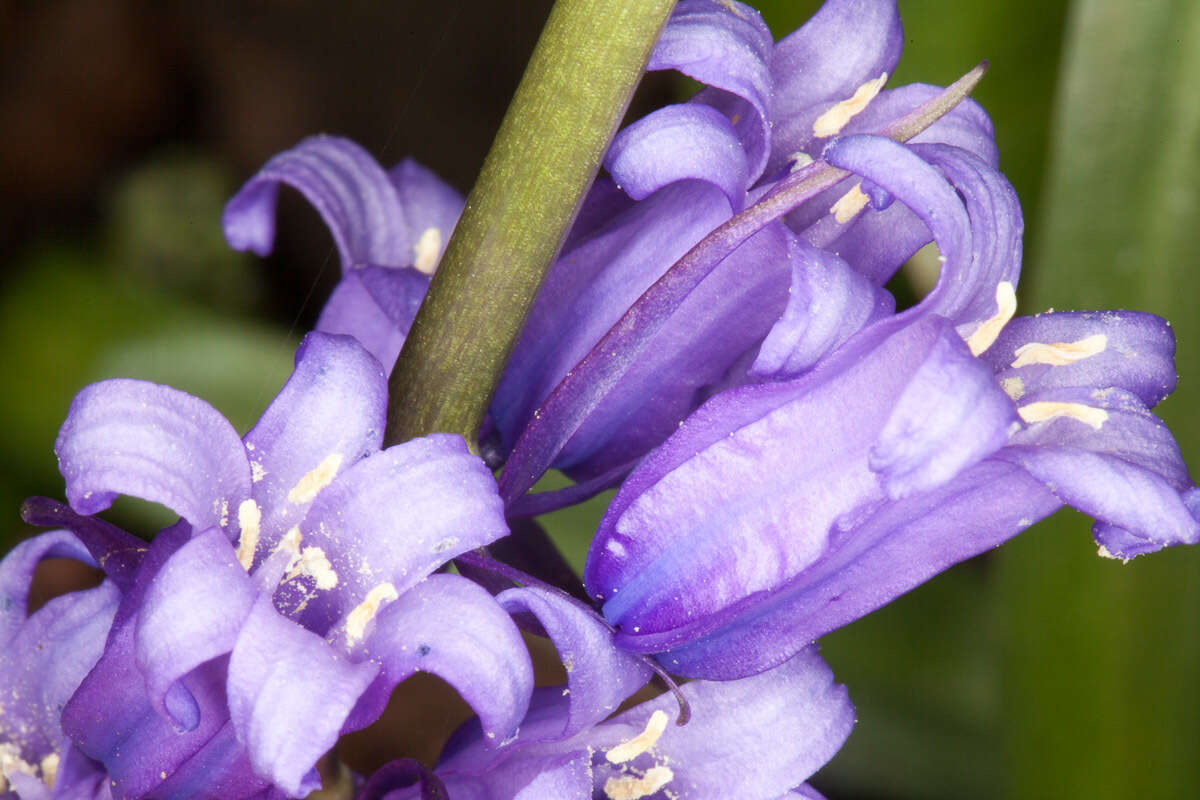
(390, 229)
(782, 510)
(295, 592)
(758, 738)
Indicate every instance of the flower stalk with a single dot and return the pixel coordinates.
(573, 95)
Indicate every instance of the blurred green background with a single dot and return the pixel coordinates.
(1037, 671)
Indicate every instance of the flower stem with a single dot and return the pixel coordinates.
(570, 100)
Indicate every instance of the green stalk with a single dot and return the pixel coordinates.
(571, 99)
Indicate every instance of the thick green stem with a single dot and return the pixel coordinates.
(570, 101)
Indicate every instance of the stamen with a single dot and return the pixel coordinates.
(249, 518)
(926, 114)
(1013, 387)
(985, 335)
(1045, 410)
(627, 751)
(849, 204)
(364, 612)
(800, 160)
(429, 249)
(1060, 353)
(836, 118)
(631, 787)
(307, 487)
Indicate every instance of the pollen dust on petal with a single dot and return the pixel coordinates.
(428, 249)
(849, 204)
(1059, 354)
(307, 487)
(1046, 410)
(836, 118)
(1006, 305)
(627, 751)
(249, 518)
(631, 787)
(364, 612)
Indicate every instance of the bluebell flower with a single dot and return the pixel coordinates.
(296, 591)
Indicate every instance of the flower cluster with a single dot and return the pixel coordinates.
(716, 340)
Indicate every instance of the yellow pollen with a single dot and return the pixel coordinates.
(1046, 410)
(1060, 353)
(627, 751)
(631, 787)
(849, 204)
(985, 335)
(429, 249)
(364, 612)
(307, 487)
(1013, 387)
(836, 118)
(249, 517)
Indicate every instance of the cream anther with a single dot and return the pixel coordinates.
(849, 204)
(1013, 387)
(1046, 410)
(800, 160)
(836, 118)
(1060, 353)
(627, 751)
(249, 518)
(985, 335)
(49, 766)
(631, 787)
(315, 565)
(307, 487)
(364, 612)
(429, 250)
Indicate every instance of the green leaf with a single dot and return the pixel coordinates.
(1102, 699)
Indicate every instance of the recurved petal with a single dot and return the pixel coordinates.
(753, 738)
(843, 46)
(328, 416)
(375, 305)
(160, 444)
(289, 695)
(192, 613)
(1128, 350)
(727, 46)
(393, 519)
(599, 676)
(45, 655)
(346, 186)
(1105, 454)
(113, 550)
(679, 142)
(450, 627)
(828, 303)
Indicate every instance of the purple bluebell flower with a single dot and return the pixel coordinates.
(295, 592)
(782, 510)
(758, 738)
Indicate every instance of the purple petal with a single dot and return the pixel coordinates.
(192, 613)
(728, 47)
(45, 656)
(676, 143)
(1087, 349)
(827, 304)
(903, 545)
(350, 191)
(450, 627)
(428, 202)
(375, 305)
(752, 738)
(154, 442)
(723, 511)
(1104, 453)
(113, 550)
(392, 519)
(844, 45)
(289, 694)
(328, 416)
(599, 676)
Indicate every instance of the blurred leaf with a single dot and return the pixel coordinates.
(1102, 699)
